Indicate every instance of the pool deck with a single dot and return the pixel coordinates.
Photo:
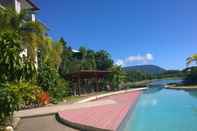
(104, 117)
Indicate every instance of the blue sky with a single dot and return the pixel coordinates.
(160, 32)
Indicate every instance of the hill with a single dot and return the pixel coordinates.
(151, 69)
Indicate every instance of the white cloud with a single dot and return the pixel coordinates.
(120, 62)
(149, 56)
(135, 59)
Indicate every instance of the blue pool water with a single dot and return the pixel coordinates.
(160, 109)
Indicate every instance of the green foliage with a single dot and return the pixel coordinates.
(59, 91)
(134, 76)
(50, 53)
(191, 72)
(10, 19)
(28, 70)
(117, 77)
(171, 74)
(31, 33)
(8, 103)
(66, 57)
(27, 93)
(191, 76)
(50, 80)
(15, 96)
(12, 66)
(47, 77)
(103, 60)
(191, 59)
(10, 60)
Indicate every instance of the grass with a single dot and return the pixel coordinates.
(73, 99)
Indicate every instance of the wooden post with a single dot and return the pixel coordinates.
(97, 85)
(79, 85)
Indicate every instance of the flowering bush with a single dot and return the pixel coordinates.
(44, 98)
(27, 93)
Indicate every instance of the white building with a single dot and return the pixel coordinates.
(19, 5)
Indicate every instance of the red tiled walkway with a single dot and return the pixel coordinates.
(106, 117)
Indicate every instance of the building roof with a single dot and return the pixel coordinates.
(33, 5)
(75, 51)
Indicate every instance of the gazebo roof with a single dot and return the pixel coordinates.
(87, 74)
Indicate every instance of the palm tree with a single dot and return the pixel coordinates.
(51, 53)
(31, 33)
(191, 59)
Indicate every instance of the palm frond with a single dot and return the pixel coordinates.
(191, 59)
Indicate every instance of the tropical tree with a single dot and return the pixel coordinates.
(191, 72)
(117, 77)
(66, 58)
(10, 61)
(103, 60)
(91, 59)
(31, 33)
(50, 53)
(83, 52)
(191, 59)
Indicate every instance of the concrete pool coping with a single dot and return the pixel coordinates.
(102, 118)
(110, 94)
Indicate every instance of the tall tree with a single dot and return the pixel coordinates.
(31, 33)
(66, 57)
(91, 59)
(83, 52)
(50, 53)
(117, 76)
(103, 60)
(191, 59)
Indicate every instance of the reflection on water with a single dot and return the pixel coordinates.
(164, 82)
(193, 93)
(152, 90)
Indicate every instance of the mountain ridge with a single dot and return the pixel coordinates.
(151, 69)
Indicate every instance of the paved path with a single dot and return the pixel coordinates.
(106, 117)
(81, 104)
(54, 109)
(44, 123)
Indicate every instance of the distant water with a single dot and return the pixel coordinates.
(160, 109)
(164, 81)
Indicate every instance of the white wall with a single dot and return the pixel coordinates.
(17, 6)
(24, 52)
(33, 17)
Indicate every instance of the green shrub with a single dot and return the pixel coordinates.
(60, 91)
(27, 93)
(50, 81)
(47, 77)
(9, 101)
(10, 60)
(12, 66)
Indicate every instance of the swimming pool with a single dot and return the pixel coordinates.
(160, 109)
